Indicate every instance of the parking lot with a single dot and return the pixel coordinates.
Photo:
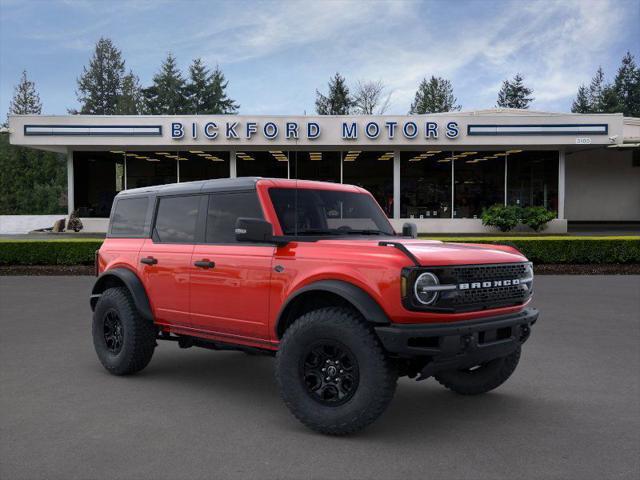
(571, 410)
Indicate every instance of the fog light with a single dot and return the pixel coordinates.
(425, 288)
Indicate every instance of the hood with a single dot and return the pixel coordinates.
(434, 252)
(442, 253)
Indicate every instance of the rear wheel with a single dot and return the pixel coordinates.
(480, 378)
(123, 340)
(332, 373)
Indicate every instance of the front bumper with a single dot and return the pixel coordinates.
(448, 346)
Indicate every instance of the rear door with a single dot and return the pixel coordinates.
(165, 258)
(230, 281)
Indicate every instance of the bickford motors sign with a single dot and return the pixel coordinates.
(294, 130)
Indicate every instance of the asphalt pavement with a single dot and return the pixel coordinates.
(571, 410)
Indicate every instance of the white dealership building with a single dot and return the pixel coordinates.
(437, 170)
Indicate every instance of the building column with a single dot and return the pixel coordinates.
(561, 182)
(70, 183)
(232, 164)
(396, 184)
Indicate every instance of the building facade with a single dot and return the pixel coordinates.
(439, 171)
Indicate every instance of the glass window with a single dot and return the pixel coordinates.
(202, 165)
(145, 169)
(532, 179)
(98, 177)
(176, 219)
(372, 171)
(425, 185)
(223, 212)
(327, 212)
(479, 182)
(272, 164)
(129, 216)
(321, 166)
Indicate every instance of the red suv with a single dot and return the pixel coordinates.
(314, 274)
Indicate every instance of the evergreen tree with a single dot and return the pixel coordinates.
(206, 92)
(99, 86)
(627, 86)
(338, 101)
(130, 101)
(433, 96)
(218, 100)
(167, 95)
(596, 91)
(514, 94)
(196, 89)
(581, 104)
(25, 99)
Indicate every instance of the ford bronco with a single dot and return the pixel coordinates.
(314, 274)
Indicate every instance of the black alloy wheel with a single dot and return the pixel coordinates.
(330, 373)
(113, 334)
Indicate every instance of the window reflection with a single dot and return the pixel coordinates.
(532, 179)
(425, 186)
(270, 164)
(478, 182)
(372, 171)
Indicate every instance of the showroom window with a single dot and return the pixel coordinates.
(532, 178)
(269, 164)
(425, 186)
(372, 171)
(478, 182)
(319, 165)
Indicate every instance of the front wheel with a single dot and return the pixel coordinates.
(123, 340)
(480, 378)
(332, 372)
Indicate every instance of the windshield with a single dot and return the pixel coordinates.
(328, 212)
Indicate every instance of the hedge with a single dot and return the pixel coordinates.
(49, 252)
(550, 249)
(566, 249)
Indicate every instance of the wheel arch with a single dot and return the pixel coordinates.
(123, 277)
(329, 293)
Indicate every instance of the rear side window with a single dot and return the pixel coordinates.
(224, 210)
(176, 219)
(128, 216)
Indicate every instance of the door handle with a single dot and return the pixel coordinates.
(149, 261)
(204, 264)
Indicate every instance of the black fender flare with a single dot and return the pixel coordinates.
(361, 300)
(133, 284)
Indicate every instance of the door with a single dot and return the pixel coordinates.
(165, 259)
(229, 280)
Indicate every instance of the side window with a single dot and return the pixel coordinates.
(128, 216)
(224, 210)
(177, 218)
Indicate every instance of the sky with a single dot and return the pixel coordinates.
(275, 54)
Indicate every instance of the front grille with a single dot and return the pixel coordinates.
(479, 273)
(475, 294)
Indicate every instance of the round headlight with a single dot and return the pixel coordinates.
(423, 290)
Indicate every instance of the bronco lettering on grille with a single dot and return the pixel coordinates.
(488, 284)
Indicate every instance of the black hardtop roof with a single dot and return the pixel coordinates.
(200, 186)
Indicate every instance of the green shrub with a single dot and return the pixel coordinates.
(504, 217)
(551, 249)
(48, 252)
(537, 217)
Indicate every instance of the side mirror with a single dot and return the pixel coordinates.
(410, 230)
(254, 230)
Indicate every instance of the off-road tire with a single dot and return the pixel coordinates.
(138, 335)
(482, 379)
(377, 375)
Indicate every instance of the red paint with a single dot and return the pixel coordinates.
(239, 300)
